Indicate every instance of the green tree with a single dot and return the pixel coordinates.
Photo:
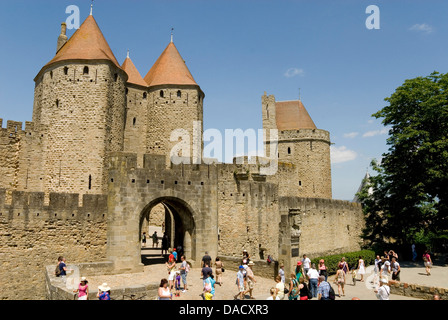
(409, 194)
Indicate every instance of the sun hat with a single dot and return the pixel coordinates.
(321, 260)
(251, 263)
(83, 279)
(299, 263)
(104, 287)
(384, 280)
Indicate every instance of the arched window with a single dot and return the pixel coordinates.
(65, 70)
(145, 95)
(161, 94)
(179, 94)
(86, 70)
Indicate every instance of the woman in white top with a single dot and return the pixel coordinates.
(273, 293)
(361, 268)
(280, 288)
(164, 291)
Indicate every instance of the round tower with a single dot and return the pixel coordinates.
(79, 110)
(301, 144)
(175, 102)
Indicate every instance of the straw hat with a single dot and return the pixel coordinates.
(83, 279)
(251, 263)
(104, 287)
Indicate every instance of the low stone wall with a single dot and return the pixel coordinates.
(260, 268)
(417, 291)
(58, 288)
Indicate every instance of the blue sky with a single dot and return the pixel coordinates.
(236, 50)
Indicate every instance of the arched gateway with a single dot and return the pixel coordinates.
(191, 195)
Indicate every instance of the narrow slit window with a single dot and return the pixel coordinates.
(161, 94)
(90, 182)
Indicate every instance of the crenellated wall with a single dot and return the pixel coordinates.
(33, 235)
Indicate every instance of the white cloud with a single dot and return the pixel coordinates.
(375, 133)
(370, 121)
(350, 135)
(292, 72)
(342, 154)
(423, 27)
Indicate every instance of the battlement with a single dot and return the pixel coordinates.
(304, 134)
(15, 128)
(62, 206)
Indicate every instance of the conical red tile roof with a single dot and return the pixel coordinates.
(133, 74)
(292, 115)
(87, 43)
(169, 68)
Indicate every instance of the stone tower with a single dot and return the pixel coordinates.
(175, 102)
(301, 144)
(79, 110)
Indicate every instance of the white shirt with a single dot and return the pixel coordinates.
(306, 263)
(383, 292)
(313, 274)
(281, 273)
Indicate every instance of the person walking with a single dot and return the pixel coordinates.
(306, 264)
(164, 292)
(281, 272)
(383, 292)
(427, 262)
(240, 283)
(219, 266)
(144, 239)
(174, 253)
(171, 267)
(165, 241)
(304, 291)
(206, 259)
(250, 279)
(396, 269)
(344, 265)
(340, 280)
(376, 269)
(205, 271)
(323, 269)
(155, 239)
(83, 289)
(361, 268)
(313, 276)
(323, 290)
(299, 270)
(280, 288)
(183, 272)
(294, 291)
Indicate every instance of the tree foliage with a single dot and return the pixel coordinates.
(409, 192)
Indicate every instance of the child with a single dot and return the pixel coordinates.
(177, 293)
(354, 276)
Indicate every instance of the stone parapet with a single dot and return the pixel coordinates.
(417, 291)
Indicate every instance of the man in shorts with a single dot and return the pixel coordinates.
(250, 279)
(240, 283)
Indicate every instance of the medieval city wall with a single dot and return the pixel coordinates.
(33, 235)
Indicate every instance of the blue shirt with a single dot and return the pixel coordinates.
(175, 255)
(61, 268)
(212, 281)
(324, 289)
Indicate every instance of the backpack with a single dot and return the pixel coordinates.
(331, 294)
(187, 267)
(57, 271)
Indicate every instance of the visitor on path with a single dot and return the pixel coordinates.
(294, 291)
(144, 239)
(164, 292)
(177, 284)
(206, 259)
(174, 254)
(306, 262)
(396, 269)
(385, 268)
(83, 289)
(393, 254)
(340, 280)
(354, 276)
(246, 258)
(414, 252)
(180, 251)
(304, 291)
(281, 272)
(63, 267)
(240, 283)
(376, 269)
(183, 272)
(155, 239)
(323, 269)
(427, 262)
(165, 241)
(212, 282)
(273, 294)
(344, 265)
(383, 292)
(171, 268)
(361, 268)
(323, 291)
(103, 292)
(219, 266)
(313, 276)
(205, 271)
(299, 270)
(386, 255)
(250, 279)
(280, 288)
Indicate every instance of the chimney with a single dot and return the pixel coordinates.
(62, 39)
